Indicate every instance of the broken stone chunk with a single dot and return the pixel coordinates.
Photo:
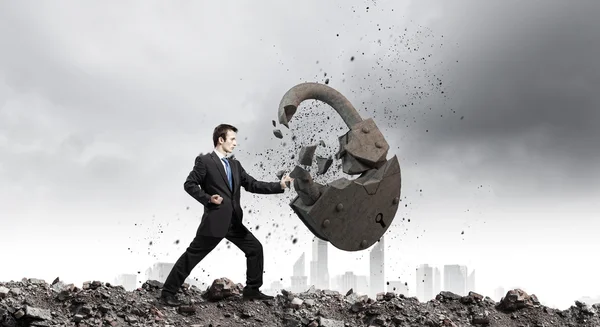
(186, 309)
(280, 174)
(480, 317)
(19, 314)
(277, 134)
(307, 190)
(222, 288)
(445, 295)
(389, 296)
(306, 155)
(104, 308)
(516, 299)
(131, 319)
(358, 307)
(323, 164)
(296, 303)
(37, 281)
(37, 313)
(331, 323)
(95, 284)
(3, 292)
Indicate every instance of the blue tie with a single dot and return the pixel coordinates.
(228, 173)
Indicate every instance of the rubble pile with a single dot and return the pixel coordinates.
(33, 302)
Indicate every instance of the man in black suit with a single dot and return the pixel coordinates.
(215, 182)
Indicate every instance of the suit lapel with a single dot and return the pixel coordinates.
(220, 168)
(234, 175)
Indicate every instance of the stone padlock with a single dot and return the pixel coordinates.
(350, 214)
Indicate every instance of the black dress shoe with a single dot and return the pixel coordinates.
(170, 300)
(255, 295)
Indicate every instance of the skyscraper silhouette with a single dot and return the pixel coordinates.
(319, 268)
(377, 268)
(455, 279)
(299, 278)
(424, 278)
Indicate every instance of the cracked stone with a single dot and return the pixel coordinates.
(306, 155)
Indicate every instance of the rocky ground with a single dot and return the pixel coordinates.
(33, 302)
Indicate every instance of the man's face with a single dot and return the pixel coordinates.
(230, 142)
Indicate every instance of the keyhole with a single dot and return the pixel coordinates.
(379, 220)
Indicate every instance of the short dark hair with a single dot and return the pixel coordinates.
(221, 131)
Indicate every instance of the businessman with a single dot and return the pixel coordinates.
(215, 182)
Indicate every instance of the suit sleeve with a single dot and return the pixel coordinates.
(251, 185)
(194, 180)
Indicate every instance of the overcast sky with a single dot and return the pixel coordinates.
(491, 107)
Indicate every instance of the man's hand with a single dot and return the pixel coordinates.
(285, 180)
(216, 199)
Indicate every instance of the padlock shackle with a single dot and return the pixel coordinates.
(306, 91)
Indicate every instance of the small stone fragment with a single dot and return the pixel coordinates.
(323, 164)
(37, 313)
(19, 314)
(77, 318)
(331, 323)
(306, 155)
(186, 309)
(296, 303)
(280, 174)
(3, 292)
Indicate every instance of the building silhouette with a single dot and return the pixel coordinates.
(128, 281)
(362, 285)
(299, 278)
(398, 287)
(343, 283)
(471, 282)
(377, 268)
(275, 288)
(499, 293)
(349, 281)
(319, 269)
(160, 271)
(424, 279)
(455, 279)
(437, 281)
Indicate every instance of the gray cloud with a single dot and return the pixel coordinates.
(519, 105)
(524, 82)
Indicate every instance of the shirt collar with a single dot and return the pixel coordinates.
(219, 154)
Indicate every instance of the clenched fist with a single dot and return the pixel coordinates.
(216, 199)
(285, 181)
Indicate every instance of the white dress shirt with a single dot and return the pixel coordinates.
(221, 156)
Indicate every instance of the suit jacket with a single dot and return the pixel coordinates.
(208, 178)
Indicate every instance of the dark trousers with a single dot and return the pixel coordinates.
(203, 245)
